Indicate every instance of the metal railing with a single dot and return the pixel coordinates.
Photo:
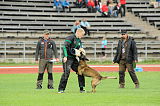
(26, 50)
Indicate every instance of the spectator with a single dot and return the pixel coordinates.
(108, 2)
(110, 8)
(76, 26)
(158, 3)
(126, 55)
(79, 3)
(85, 3)
(104, 46)
(104, 10)
(155, 3)
(46, 48)
(123, 8)
(65, 4)
(58, 5)
(91, 6)
(71, 51)
(98, 5)
(85, 25)
(116, 10)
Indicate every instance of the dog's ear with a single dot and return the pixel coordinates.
(85, 58)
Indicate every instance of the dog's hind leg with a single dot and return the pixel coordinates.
(94, 83)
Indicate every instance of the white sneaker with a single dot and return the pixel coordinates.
(60, 91)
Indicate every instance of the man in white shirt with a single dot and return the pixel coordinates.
(85, 25)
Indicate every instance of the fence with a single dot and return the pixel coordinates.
(25, 51)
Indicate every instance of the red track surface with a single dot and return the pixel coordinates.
(58, 68)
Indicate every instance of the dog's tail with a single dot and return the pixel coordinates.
(108, 78)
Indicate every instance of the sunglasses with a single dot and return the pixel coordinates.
(122, 34)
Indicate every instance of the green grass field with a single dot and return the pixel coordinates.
(19, 90)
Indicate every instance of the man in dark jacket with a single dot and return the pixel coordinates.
(71, 50)
(126, 56)
(45, 49)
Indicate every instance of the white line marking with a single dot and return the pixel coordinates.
(6, 67)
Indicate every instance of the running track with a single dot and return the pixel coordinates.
(58, 68)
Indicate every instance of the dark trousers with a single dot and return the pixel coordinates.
(103, 51)
(91, 10)
(123, 10)
(66, 7)
(86, 30)
(71, 63)
(122, 68)
(43, 65)
(79, 4)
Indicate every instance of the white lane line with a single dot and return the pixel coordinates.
(61, 66)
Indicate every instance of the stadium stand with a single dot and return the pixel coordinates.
(146, 12)
(42, 11)
(23, 21)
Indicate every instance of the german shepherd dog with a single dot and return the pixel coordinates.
(84, 69)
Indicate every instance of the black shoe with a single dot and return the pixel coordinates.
(136, 85)
(50, 87)
(82, 91)
(39, 87)
(121, 86)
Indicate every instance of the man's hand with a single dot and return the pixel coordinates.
(64, 59)
(57, 59)
(37, 62)
(136, 61)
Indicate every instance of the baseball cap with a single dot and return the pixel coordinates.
(46, 32)
(123, 32)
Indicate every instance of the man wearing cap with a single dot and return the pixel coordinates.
(71, 50)
(126, 56)
(45, 49)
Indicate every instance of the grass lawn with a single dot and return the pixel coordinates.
(19, 90)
